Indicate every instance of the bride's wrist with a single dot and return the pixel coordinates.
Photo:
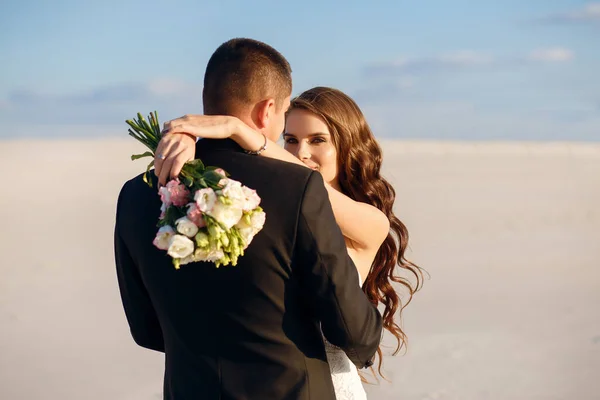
(235, 128)
(257, 149)
(248, 139)
(180, 133)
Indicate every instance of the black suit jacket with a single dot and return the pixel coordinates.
(252, 331)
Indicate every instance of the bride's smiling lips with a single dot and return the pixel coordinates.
(311, 165)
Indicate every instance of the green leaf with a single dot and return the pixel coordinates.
(212, 168)
(138, 156)
(197, 164)
(161, 223)
(212, 177)
(149, 166)
(173, 213)
(147, 179)
(186, 180)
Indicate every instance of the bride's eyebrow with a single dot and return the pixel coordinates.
(309, 135)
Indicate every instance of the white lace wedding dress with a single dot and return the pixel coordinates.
(346, 381)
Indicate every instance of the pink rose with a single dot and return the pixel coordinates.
(195, 215)
(179, 195)
(165, 197)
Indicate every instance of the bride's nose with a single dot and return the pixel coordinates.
(303, 152)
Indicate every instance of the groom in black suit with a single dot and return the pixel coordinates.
(254, 331)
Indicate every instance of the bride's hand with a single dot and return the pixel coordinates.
(178, 144)
(172, 153)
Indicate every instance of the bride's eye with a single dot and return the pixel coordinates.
(290, 141)
(318, 140)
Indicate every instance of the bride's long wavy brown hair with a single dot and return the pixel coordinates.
(359, 159)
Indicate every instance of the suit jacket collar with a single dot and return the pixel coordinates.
(205, 146)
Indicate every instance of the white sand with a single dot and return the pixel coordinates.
(510, 234)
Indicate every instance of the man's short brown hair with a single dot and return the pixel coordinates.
(243, 72)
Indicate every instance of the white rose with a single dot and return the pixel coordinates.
(201, 254)
(180, 246)
(187, 260)
(163, 237)
(257, 220)
(215, 254)
(228, 215)
(248, 231)
(210, 254)
(186, 227)
(245, 230)
(205, 199)
(247, 235)
(233, 191)
(251, 199)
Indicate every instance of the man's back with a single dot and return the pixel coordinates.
(250, 331)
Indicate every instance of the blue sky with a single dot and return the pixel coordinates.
(432, 69)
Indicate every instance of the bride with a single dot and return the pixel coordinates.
(325, 130)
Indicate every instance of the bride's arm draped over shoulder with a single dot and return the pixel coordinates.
(364, 225)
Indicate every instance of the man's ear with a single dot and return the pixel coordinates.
(263, 113)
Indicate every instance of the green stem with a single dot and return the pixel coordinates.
(144, 123)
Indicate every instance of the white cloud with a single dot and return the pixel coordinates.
(171, 87)
(586, 14)
(404, 70)
(123, 92)
(590, 12)
(465, 58)
(103, 104)
(556, 54)
(452, 60)
(479, 96)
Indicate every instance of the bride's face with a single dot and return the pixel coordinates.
(307, 137)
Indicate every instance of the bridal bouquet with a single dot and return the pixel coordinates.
(205, 215)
